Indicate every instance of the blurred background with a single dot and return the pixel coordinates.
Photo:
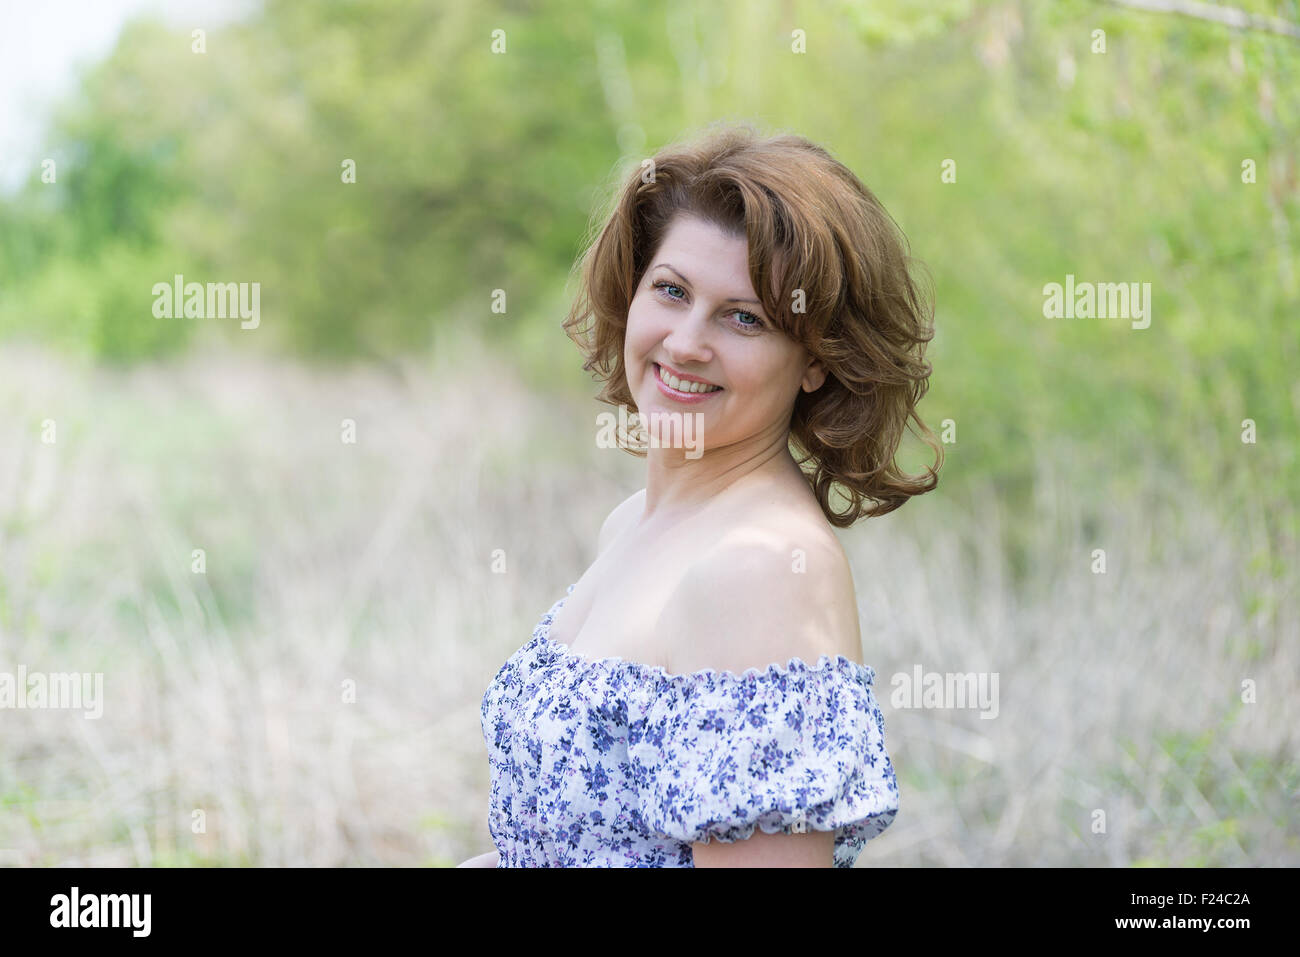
(298, 553)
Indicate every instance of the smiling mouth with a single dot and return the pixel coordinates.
(685, 386)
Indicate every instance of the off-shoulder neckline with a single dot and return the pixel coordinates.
(794, 665)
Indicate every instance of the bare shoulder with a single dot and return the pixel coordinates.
(777, 587)
(619, 518)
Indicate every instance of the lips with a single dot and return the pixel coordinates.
(683, 376)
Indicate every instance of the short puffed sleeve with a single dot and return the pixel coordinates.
(793, 748)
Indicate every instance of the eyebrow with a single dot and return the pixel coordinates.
(684, 279)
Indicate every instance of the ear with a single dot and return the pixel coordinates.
(814, 375)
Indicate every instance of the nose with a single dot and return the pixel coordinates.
(688, 341)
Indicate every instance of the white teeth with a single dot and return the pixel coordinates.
(682, 385)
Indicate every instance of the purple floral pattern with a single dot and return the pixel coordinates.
(613, 763)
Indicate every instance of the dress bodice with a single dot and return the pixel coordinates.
(614, 763)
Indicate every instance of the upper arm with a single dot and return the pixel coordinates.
(809, 849)
(762, 597)
(761, 601)
(756, 602)
(619, 518)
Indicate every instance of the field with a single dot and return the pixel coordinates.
(305, 689)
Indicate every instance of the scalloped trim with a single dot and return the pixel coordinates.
(851, 837)
(795, 665)
(841, 832)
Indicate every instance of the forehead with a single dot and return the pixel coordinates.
(706, 256)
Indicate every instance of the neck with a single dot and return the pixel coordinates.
(677, 485)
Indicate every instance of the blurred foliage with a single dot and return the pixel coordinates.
(478, 171)
(1213, 787)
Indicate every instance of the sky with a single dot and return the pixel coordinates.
(42, 43)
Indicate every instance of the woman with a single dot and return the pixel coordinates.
(696, 698)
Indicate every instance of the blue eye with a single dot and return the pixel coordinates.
(665, 285)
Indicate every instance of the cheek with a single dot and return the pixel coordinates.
(755, 377)
(764, 383)
(640, 333)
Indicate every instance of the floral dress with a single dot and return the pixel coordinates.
(614, 763)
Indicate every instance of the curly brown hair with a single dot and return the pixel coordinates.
(830, 266)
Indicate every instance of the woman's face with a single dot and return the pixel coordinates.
(695, 314)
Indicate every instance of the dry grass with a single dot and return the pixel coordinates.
(371, 563)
